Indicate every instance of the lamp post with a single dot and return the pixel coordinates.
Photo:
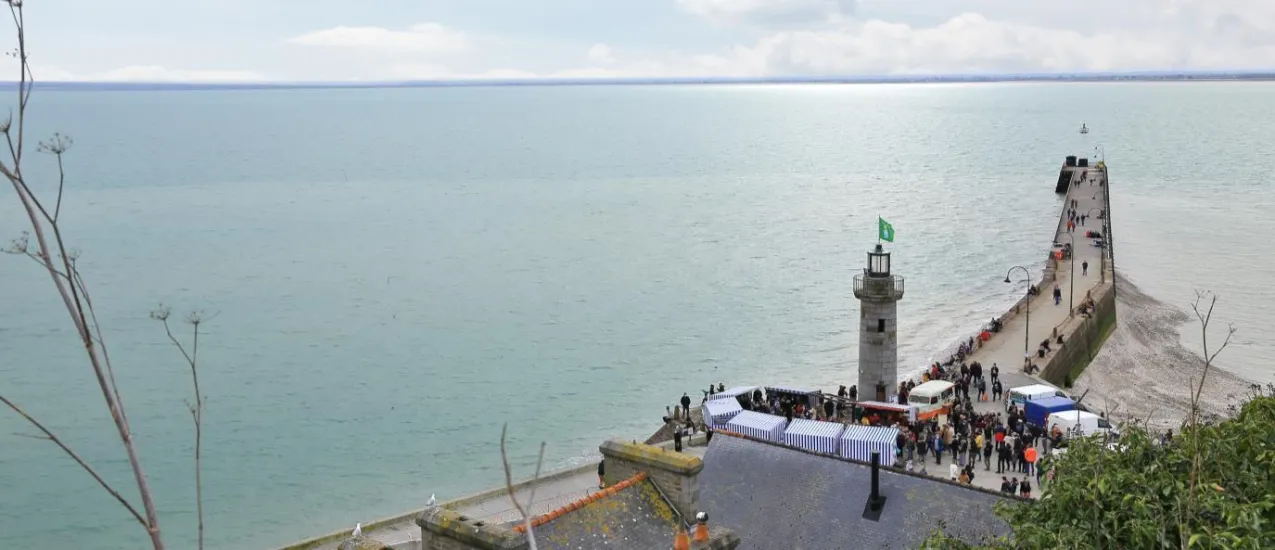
(1071, 294)
(1028, 329)
(1102, 153)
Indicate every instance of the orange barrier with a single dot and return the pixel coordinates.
(581, 503)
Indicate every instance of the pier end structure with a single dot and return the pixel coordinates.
(879, 292)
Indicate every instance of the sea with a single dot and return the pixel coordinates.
(389, 276)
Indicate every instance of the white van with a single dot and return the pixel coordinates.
(1022, 394)
(932, 398)
(1073, 423)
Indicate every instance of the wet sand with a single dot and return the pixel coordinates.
(1143, 370)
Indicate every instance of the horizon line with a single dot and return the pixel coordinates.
(952, 78)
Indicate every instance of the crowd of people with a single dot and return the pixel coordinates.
(1006, 442)
(967, 438)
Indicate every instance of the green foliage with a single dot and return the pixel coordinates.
(1138, 496)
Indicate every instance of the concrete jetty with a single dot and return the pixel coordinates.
(1020, 336)
(1082, 336)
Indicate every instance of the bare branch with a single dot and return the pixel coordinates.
(58, 261)
(509, 486)
(1205, 316)
(55, 146)
(50, 436)
(195, 319)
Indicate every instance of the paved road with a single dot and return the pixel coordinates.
(1005, 348)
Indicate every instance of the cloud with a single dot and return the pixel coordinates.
(600, 54)
(970, 42)
(425, 38)
(156, 73)
(133, 73)
(767, 13)
(427, 71)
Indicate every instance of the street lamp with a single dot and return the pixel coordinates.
(1027, 330)
(1102, 153)
(1071, 294)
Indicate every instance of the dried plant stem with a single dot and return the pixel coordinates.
(51, 252)
(1205, 316)
(509, 486)
(196, 408)
(50, 436)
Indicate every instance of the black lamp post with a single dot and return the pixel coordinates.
(1028, 329)
(1102, 153)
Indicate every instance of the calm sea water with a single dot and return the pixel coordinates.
(399, 272)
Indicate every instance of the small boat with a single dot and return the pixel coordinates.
(1084, 129)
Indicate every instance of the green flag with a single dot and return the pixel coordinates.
(886, 230)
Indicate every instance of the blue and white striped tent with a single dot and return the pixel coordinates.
(761, 426)
(717, 413)
(733, 392)
(858, 442)
(814, 435)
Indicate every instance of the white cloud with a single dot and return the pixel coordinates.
(427, 71)
(131, 73)
(600, 54)
(769, 12)
(156, 73)
(425, 38)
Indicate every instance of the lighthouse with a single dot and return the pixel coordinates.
(879, 293)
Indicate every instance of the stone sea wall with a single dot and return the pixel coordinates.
(1082, 338)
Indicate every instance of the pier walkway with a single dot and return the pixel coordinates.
(1005, 349)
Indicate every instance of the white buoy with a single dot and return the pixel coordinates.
(358, 530)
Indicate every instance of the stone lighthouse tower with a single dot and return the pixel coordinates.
(879, 293)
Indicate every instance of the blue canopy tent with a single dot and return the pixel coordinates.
(757, 425)
(718, 412)
(814, 435)
(858, 443)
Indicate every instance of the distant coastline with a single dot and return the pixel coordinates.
(1244, 76)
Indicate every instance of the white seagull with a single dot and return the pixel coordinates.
(432, 502)
(358, 530)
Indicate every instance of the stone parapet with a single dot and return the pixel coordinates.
(676, 474)
(443, 529)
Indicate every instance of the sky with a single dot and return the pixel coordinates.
(395, 40)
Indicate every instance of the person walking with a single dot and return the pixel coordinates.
(1084, 268)
(1057, 295)
(601, 471)
(996, 373)
(987, 455)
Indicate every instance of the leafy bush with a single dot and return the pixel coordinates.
(1139, 496)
